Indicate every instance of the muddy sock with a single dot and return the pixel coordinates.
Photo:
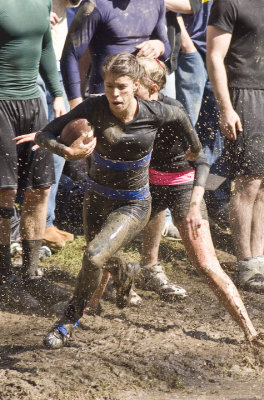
(5, 262)
(30, 257)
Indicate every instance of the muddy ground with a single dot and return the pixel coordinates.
(190, 349)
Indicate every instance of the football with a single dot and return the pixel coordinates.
(74, 129)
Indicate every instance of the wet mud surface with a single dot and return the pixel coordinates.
(190, 349)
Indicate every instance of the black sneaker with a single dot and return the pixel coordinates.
(59, 336)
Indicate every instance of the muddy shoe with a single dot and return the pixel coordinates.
(156, 280)
(255, 284)
(250, 274)
(59, 336)
(13, 294)
(135, 299)
(123, 277)
(46, 291)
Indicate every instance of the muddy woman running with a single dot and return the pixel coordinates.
(117, 203)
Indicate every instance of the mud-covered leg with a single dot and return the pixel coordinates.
(105, 235)
(87, 282)
(201, 252)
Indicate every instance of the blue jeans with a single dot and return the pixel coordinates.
(58, 161)
(191, 77)
(170, 88)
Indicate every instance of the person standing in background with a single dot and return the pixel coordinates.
(111, 27)
(194, 91)
(235, 57)
(25, 48)
(174, 35)
(54, 237)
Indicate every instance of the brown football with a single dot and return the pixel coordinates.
(74, 129)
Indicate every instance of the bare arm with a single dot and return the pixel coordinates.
(181, 6)
(218, 42)
(187, 45)
(194, 217)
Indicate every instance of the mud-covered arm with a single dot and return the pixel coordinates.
(202, 169)
(194, 216)
(179, 121)
(48, 137)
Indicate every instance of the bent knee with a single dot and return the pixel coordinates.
(92, 259)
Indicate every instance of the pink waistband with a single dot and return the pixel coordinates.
(170, 178)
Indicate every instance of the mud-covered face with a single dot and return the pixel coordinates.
(120, 91)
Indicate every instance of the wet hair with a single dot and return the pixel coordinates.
(123, 64)
(154, 71)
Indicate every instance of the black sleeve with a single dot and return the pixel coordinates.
(183, 123)
(174, 116)
(87, 109)
(223, 15)
(202, 169)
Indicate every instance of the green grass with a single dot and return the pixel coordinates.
(68, 258)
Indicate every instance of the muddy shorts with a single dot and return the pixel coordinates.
(245, 156)
(98, 208)
(19, 165)
(176, 198)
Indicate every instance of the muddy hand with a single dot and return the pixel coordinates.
(27, 137)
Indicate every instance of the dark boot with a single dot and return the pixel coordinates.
(33, 279)
(87, 282)
(12, 291)
(30, 258)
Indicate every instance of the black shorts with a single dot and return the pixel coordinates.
(245, 156)
(20, 166)
(174, 197)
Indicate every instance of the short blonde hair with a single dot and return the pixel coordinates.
(154, 71)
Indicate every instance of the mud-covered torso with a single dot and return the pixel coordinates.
(123, 142)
